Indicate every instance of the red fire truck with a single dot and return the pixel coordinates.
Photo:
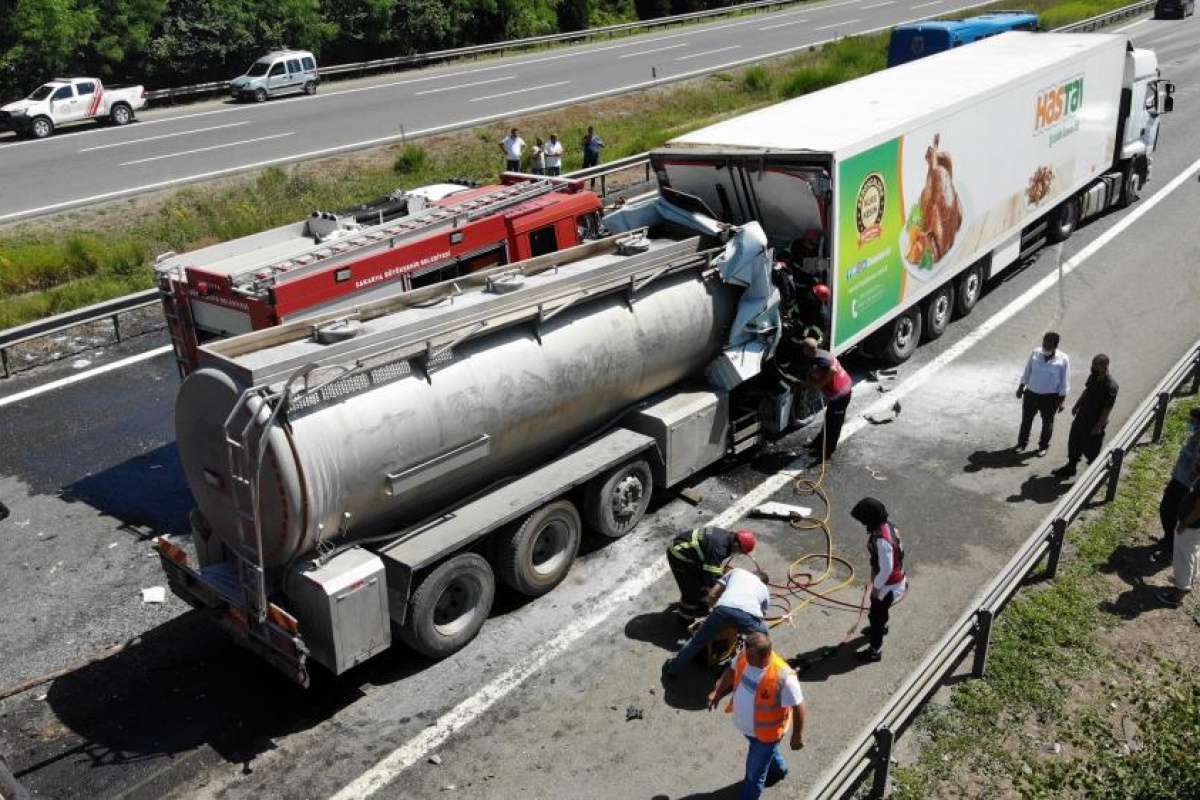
(332, 260)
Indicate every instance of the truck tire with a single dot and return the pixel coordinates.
(1131, 186)
(967, 289)
(939, 309)
(898, 341)
(614, 503)
(121, 114)
(260, 95)
(310, 87)
(449, 606)
(41, 127)
(534, 557)
(1063, 221)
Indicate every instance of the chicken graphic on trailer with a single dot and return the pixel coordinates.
(331, 261)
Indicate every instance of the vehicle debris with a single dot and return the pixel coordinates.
(633, 712)
(154, 594)
(774, 510)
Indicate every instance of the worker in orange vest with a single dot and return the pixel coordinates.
(766, 697)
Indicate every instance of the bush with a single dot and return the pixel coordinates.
(756, 80)
(411, 159)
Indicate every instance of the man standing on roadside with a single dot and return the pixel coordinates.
(888, 581)
(766, 697)
(1044, 387)
(739, 601)
(1091, 412)
(1184, 478)
(1186, 566)
(822, 371)
(592, 145)
(512, 145)
(554, 154)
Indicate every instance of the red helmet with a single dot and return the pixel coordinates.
(821, 292)
(745, 540)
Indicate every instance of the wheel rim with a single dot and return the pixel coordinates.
(941, 311)
(455, 608)
(627, 499)
(41, 128)
(972, 287)
(904, 334)
(122, 115)
(550, 548)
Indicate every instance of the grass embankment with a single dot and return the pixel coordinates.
(95, 255)
(1093, 687)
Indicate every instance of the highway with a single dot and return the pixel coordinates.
(536, 707)
(171, 147)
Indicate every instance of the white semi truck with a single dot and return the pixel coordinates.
(382, 468)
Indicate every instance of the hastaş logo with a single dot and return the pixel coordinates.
(1055, 104)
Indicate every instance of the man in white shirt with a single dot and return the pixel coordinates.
(766, 698)
(512, 145)
(739, 600)
(1044, 387)
(554, 154)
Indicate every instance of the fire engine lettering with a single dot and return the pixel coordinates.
(396, 272)
(216, 299)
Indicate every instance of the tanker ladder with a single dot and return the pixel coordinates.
(259, 278)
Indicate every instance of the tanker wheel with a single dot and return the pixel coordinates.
(538, 553)
(615, 503)
(449, 606)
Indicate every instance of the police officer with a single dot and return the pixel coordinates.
(888, 581)
(696, 558)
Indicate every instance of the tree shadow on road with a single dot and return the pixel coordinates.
(996, 459)
(729, 792)
(1040, 489)
(1134, 565)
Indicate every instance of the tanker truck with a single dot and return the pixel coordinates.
(380, 470)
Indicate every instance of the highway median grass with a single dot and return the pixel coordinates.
(1092, 687)
(82, 257)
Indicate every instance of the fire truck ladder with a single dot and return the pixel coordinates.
(180, 325)
(264, 275)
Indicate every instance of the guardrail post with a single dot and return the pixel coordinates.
(1058, 532)
(884, 739)
(1160, 415)
(983, 640)
(1195, 370)
(4, 361)
(1116, 459)
(604, 186)
(116, 321)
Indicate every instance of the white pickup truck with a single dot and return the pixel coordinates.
(66, 100)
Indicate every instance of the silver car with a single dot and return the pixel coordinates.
(281, 72)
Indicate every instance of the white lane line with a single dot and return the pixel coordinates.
(207, 149)
(495, 690)
(708, 52)
(655, 50)
(1124, 28)
(877, 5)
(164, 136)
(926, 5)
(466, 123)
(782, 24)
(17, 397)
(464, 85)
(841, 24)
(538, 88)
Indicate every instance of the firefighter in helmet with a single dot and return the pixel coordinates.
(696, 560)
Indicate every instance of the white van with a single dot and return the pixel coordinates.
(281, 72)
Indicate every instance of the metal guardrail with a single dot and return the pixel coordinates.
(419, 59)
(42, 328)
(871, 752)
(1108, 18)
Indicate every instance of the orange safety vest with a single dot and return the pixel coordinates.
(770, 717)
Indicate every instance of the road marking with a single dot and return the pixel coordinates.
(837, 24)
(926, 5)
(708, 52)
(163, 136)
(464, 85)
(1124, 28)
(359, 145)
(782, 25)
(877, 5)
(655, 50)
(207, 149)
(538, 88)
(17, 397)
(466, 712)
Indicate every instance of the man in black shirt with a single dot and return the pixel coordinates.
(696, 560)
(1091, 412)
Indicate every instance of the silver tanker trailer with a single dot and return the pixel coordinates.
(351, 471)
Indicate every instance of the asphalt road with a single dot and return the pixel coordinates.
(165, 148)
(536, 707)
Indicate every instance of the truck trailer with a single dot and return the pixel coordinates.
(905, 190)
(334, 260)
(379, 469)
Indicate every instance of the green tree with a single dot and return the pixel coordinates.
(574, 15)
(46, 38)
(122, 38)
(365, 28)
